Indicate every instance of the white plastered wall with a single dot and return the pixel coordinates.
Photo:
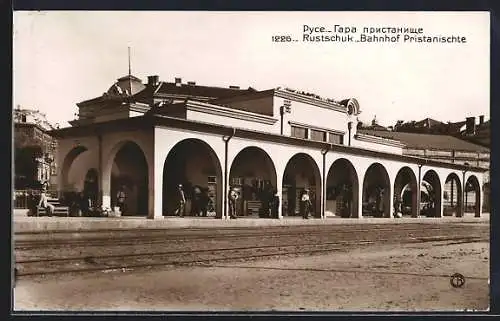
(156, 145)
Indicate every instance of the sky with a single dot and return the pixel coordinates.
(63, 57)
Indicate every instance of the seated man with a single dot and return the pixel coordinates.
(44, 202)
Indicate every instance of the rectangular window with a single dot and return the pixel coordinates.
(318, 135)
(237, 181)
(335, 138)
(299, 132)
(37, 134)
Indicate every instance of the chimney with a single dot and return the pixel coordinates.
(153, 80)
(178, 82)
(470, 125)
(234, 87)
(191, 83)
(481, 119)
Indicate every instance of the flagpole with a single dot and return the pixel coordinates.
(129, 73)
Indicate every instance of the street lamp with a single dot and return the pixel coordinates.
(419, 196)
(464, 192)
(286, 108)
(349, 127)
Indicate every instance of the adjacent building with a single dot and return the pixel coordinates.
(35, 150)
(445, 148)
(477, 132)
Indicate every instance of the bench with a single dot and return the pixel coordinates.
(58, 211)
(252, 207)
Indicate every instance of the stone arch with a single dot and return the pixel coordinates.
(192, 162)
(452, 196)
(406, 192)
(127, 167)
(472, 187)
(253, 175)
(66, 166)
(430, 199)
(301, 172)
(376, 192)
(342, 189)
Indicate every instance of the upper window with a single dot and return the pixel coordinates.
(299, 132)
(318, 135)
(335, 138)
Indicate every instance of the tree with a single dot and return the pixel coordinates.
(398, 125)
(26, 166)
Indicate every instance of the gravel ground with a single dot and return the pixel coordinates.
(411, 277)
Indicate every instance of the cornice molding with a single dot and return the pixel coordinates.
(329, 130)
(148, 122)
(230, 112)
(378, 140)
(143, 108)
(180, 96)
(309, 100)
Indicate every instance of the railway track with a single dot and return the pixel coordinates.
(165, 236)
(145, 245)
(183, 230)
(275, 247)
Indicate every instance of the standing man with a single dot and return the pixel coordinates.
(204, 202)
(233, 196)
(380, 202)
(397, 207)
(181, 201)
(121, 196)
(432, 204)
(196, 201)
(346, 200)
(32, 203)
(275, 204)
(266, 199)
(305, 204)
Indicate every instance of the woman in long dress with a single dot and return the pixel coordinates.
(305, 204)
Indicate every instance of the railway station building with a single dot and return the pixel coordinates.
(150, 137)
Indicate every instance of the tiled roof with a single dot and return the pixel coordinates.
(168, 110)
(428, 141)
(455, 127)
(484, 126)
(430, 122)
(201, 91)
(145, 93)
(375, 127)
(106, 99)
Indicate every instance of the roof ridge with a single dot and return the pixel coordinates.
(452, 142)
(206, 86)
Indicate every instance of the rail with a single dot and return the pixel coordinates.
(160, 236)
(21, 197)
(61, 265)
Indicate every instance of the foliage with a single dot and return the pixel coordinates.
(417, 127)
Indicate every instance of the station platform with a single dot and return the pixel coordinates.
(25, 224)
